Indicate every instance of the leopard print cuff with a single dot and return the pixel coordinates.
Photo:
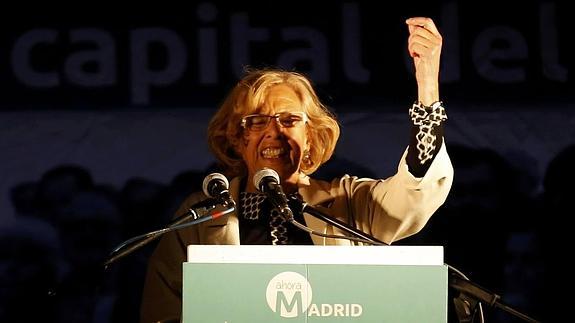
(427, 118)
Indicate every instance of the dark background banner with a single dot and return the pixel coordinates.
(97, 56)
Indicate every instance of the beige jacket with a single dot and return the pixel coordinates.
(388, 209)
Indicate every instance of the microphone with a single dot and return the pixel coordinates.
(217, 186)
(267, 181)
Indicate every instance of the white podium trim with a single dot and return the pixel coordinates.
(292, 254)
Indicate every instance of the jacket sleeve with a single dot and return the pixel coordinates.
(401, 205)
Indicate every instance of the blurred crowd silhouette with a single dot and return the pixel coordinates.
(497, 226)
(65, 227)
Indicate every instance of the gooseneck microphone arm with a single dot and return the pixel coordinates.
(200, 212)
(335, 222)
(215, 187)
(267, 181)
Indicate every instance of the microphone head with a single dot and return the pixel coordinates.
(208, 180)
(263, 173)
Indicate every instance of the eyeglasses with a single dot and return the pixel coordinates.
(259, 122)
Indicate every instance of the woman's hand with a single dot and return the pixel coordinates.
(424, 46)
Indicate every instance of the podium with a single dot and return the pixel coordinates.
(241, 284)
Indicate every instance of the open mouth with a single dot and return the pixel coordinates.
(273, 152)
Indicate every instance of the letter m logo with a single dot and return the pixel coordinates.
(288, 308)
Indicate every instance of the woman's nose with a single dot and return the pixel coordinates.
(274, 128)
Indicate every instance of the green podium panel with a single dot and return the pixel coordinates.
(235, 292)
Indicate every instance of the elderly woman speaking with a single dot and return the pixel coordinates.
(273, 119)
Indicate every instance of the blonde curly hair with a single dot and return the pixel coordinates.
(225, 132)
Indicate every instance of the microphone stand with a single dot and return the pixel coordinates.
(198, 213)
(471, 294)
(304, 207)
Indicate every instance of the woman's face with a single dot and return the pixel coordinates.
(279, 142)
